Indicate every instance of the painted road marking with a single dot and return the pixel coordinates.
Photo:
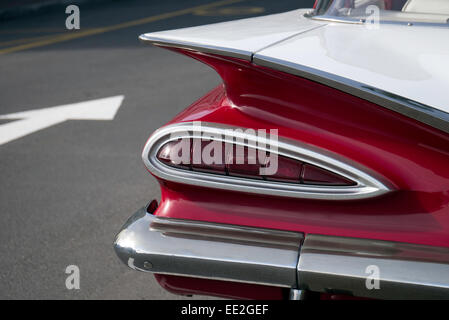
(132, 23)
(22, 40)
(35, 120)
(32, 30)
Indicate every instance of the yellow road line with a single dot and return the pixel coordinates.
(32, 30)
(132, 23)
(22, 40)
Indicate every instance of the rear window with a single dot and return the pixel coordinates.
(430, 11)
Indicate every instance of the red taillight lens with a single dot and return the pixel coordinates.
(212, 161)
(242, 161)
(317, 176)
(176, 153)
(288, 170)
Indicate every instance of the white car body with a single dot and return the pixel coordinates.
(408, 65)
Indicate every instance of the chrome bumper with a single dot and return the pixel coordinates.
(349, 265)
(284, 259)
(207, 250)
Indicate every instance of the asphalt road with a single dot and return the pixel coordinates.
(67, 189)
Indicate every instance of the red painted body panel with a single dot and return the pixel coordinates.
(411, 156)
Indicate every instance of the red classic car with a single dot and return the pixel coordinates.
(319, 168)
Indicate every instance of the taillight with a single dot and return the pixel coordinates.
(213, 155)
(207, 164)
(288, 170)
(171, 153)
(217, 157)
(318, 176)
(244, 162)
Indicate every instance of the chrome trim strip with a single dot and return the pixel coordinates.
(207, 250)
(367, 185)
(406, 271)
(410, 108)
(362, 21)
(228, 52)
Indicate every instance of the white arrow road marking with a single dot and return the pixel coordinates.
(35, 120)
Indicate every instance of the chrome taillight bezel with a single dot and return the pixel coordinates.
(367, 184)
